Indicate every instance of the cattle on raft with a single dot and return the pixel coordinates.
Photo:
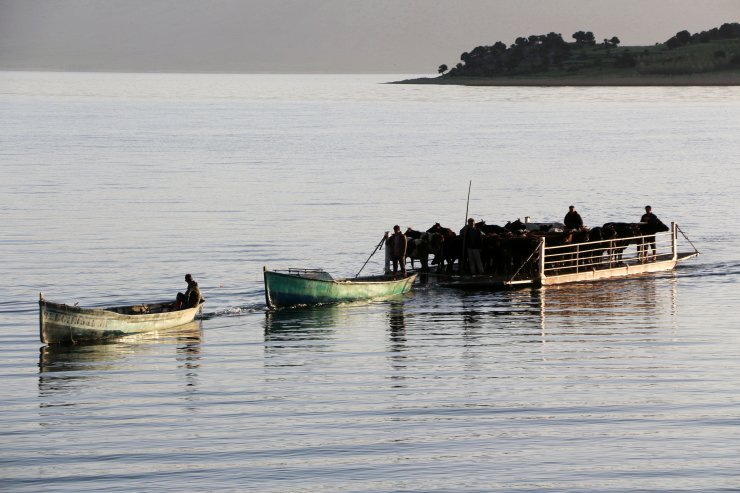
(510, 249)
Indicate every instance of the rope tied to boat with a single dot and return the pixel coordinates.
(536, 250)
(687, 238)
(377, 247)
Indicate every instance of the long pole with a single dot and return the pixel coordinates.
(378, 246)
(467, 204)
(463, 255)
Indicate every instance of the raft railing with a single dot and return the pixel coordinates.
(573, 258)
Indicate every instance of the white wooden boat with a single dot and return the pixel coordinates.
(60, 323)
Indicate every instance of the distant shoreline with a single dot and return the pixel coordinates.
(707, 79)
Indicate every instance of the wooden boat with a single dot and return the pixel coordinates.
(60, 323)
(315, 286)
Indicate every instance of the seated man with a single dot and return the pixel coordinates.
(191, 297)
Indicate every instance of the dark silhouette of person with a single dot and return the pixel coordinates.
(396, 245)
(652, 221)
(191, 297)
(573, 219)
(473, 238)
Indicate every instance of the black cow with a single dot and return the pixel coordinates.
(451, 251)
(412, 233)
(561, 258)
(446, 248)
(601, 242)
(494, 254)
(515, 226)
(493, 229)
(420, 245)
(518, 249)
(649, 229)
(445, 232)
(625, 234)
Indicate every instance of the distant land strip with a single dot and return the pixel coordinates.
(708, 58)
(713, 79)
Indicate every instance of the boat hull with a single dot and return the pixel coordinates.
(59, 323)
(283, 290)
(660, 265)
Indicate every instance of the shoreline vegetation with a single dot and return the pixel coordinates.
(708, 58)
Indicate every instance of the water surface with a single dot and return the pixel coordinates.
(116, 185)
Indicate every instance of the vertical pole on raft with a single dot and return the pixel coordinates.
(674, 240)
(41, 316)
(542, 260)
(268, 301)
(464, 253)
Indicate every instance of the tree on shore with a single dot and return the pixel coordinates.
(584, 38)
(725, 31)
(540, 53)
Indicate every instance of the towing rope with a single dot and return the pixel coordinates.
(539, 247)
(696, 250)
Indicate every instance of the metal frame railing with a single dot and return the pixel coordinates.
(320, 274)
(606, 254)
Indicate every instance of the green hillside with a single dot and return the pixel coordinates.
(549, 56)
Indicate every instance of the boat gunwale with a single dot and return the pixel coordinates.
(275, 298)
(78, 323)
(107, 312)
(379, 279)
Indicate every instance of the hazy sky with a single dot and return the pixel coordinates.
(391, 36)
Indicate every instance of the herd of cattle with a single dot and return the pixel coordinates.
(505, 249)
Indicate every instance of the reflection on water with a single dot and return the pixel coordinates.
(518, 390)
(397, 340)
(100, 355)
(293, 335)
(396, 326)
(315, 322)
(636, 305)
(69, 369)
(616, 307)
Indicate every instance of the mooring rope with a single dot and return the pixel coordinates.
(539, 247)
(696, 250)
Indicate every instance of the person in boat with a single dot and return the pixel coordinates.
(396, 245)
(573, 219)
(191, 297)
(651, 219)
(473, 238)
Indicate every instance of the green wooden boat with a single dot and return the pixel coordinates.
(315, 286)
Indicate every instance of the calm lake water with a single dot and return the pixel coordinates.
(115, 185)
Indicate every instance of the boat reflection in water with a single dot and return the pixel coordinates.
(396, 327)
(397, 347)
(66, 370)
(302, 337)
(310, 322)
(637, 305)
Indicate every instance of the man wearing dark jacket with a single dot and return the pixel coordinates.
(396, 245)
(652, 221)
(573, 219)
(191, 298)
(473, 238)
